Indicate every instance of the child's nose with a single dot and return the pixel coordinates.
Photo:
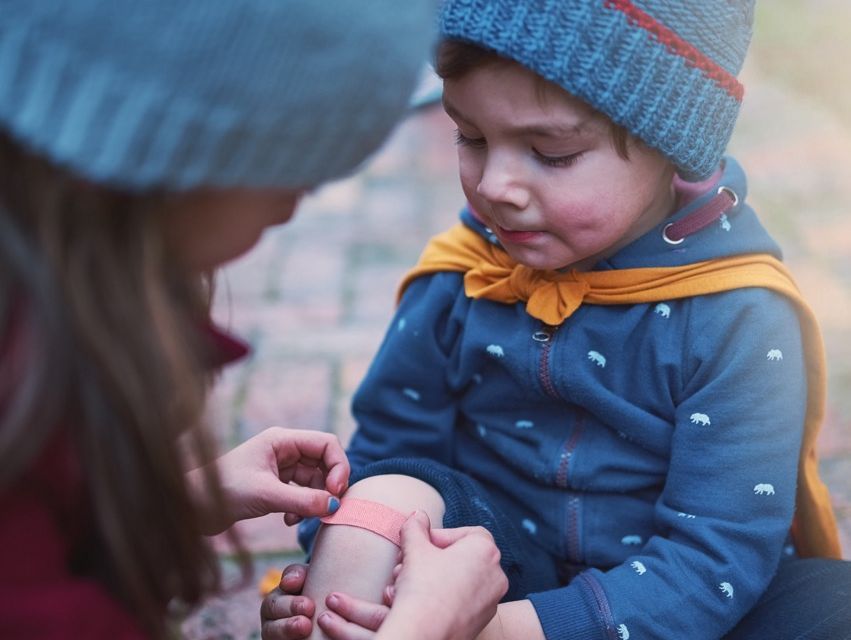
(501, 182)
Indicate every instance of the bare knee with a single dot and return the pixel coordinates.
(356, 560)
(402, 493)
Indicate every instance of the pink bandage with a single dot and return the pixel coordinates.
(371, 516)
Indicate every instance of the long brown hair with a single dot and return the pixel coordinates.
(106, 347)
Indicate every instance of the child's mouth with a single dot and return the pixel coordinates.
(517, 237)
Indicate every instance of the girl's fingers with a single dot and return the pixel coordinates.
(337, 478)
(318, 480)
(302, 501)
(389, 594)
(444, 537)
(290, 519)
(293, 446)
(302, 472)
(415, 532)
(338, 628)
(312, 473)
(368, 615)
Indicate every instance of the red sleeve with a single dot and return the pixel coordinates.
(39, 596)
(45, 516)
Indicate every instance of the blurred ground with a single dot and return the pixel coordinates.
(314, 298)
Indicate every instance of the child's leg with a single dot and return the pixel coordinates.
(806, 599)
(357, 561)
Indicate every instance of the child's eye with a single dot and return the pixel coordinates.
(557, 161)
(464, 141)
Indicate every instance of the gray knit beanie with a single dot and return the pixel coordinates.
(664, 69)
(255, 93)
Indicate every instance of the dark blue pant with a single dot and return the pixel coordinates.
(807, 600)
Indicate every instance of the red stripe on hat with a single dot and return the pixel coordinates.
(676, 45)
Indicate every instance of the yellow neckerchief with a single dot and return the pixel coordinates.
(553, 296)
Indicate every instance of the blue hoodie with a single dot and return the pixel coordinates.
(655, 444)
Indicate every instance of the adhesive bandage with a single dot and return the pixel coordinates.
(372, 516)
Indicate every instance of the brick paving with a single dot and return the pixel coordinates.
(313, 298)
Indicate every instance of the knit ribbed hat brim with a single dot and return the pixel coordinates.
(664, 70)
(246, 93)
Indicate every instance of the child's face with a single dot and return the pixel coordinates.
(541, 170)
(212, 226)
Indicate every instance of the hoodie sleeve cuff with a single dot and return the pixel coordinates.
(571, 612)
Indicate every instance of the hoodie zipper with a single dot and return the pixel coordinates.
(545, 336)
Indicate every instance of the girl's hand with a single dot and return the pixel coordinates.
(295, 472)
(447, 588)
(350, 618)
(284, 613)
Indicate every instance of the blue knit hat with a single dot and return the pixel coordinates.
(664, 69)
(254, 93)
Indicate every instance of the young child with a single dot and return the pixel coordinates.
(605, 363)
(143, 144)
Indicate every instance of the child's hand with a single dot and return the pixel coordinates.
(284, 613)
(287, 615)
(256, 477)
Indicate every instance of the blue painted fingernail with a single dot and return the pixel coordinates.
(333, 504)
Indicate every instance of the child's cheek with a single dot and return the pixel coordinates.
(574, 214)
(471, 176)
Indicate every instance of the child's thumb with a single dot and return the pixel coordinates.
(415, 531)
